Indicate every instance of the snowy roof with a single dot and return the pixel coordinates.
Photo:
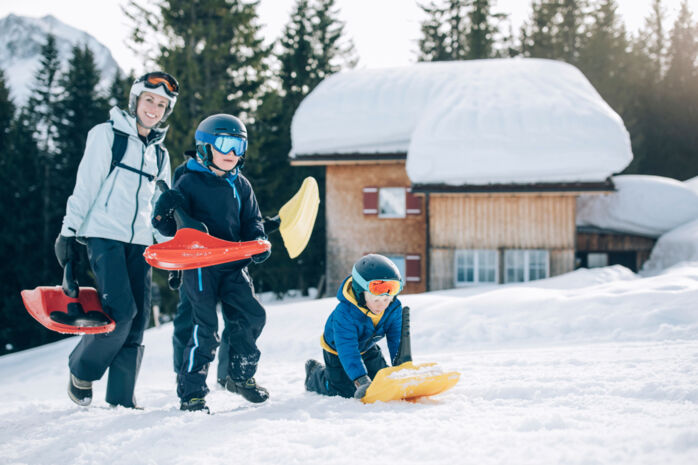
(645, 205)
(468, 122)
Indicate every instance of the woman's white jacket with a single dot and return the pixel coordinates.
(116, 205)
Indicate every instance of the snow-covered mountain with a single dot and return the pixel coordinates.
(21, 39)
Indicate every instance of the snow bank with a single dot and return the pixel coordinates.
(677, 246)
(692, 183)
(469, 122)
(596, 366)
(644, 205)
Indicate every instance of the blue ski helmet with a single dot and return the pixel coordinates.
(372, 267)
(224, 132)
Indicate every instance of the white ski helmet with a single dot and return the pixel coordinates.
(159, 83)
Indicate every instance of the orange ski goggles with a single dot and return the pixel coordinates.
(169, 83)
(379, 287)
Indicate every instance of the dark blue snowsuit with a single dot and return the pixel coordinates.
(228, 207)
(349, 343)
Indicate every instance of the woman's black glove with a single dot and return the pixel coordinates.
(362, 383)
(163, 214)
(66, 248)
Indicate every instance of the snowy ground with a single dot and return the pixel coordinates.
(593, 367)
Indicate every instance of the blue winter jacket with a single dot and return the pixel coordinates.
(349, 330)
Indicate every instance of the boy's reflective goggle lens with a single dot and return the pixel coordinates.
(161, 79)
(379, 287)
(224, 143)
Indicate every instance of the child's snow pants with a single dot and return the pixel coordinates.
(332, 380)
(244, 317)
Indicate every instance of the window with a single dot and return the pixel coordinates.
(391, 202)
(476, 267)
(525, 265)
(597, 260)
(410, 267)
(399, 260)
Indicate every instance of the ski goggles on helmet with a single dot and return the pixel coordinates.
(224, 143)
(157, 78)
(378, 287)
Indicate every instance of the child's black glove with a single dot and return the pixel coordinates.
(66, 249)
(362, 383)
(260, 257)
(174, 279)
(163, 214)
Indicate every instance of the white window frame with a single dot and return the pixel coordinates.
(597, 258)
(401, 263)
(524, 258)
(403, 213)
(476, 255)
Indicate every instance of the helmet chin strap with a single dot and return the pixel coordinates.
(208, 160)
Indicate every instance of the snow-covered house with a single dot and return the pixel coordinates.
(462, 172)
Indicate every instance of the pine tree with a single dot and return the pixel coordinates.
(42, 118)
(460, 30)
(554, 30)
(81, 108)
(312, 46)
(480, 38)
(119, 89)
(681, 99)
(20, 190)
(215, 51)
(603, 56)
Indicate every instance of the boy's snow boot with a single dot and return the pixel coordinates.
(194, 405)
(80, 391)
(310, 366)
(249, 389)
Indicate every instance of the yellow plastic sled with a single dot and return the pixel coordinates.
(409, 382)
(298, 217)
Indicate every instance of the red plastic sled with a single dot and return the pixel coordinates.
(190, 249)
(51, 307)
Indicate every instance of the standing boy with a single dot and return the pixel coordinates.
(109, 210)
(368, 311)
(212, 190)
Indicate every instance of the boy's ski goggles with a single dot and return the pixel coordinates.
(168, 83)
(379, 287)
(225, 143)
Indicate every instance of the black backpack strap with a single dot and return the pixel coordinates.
(118, 149)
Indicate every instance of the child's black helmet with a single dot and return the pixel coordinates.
(372, 267)
(208, 132)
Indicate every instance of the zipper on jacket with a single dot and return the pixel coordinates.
(140, 182)
(106, 202)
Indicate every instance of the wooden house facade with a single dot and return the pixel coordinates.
(445, 237)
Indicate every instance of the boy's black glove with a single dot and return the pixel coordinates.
(174, 279)
(163, 214)
(362, 383)
(66, 248)
(260, 257)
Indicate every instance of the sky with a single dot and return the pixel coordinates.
(385, 32)
(592, 367)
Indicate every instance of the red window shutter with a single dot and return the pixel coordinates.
(370, 200)
(413, 268)
(414, 203)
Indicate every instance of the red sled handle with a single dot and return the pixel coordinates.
(190, 249)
